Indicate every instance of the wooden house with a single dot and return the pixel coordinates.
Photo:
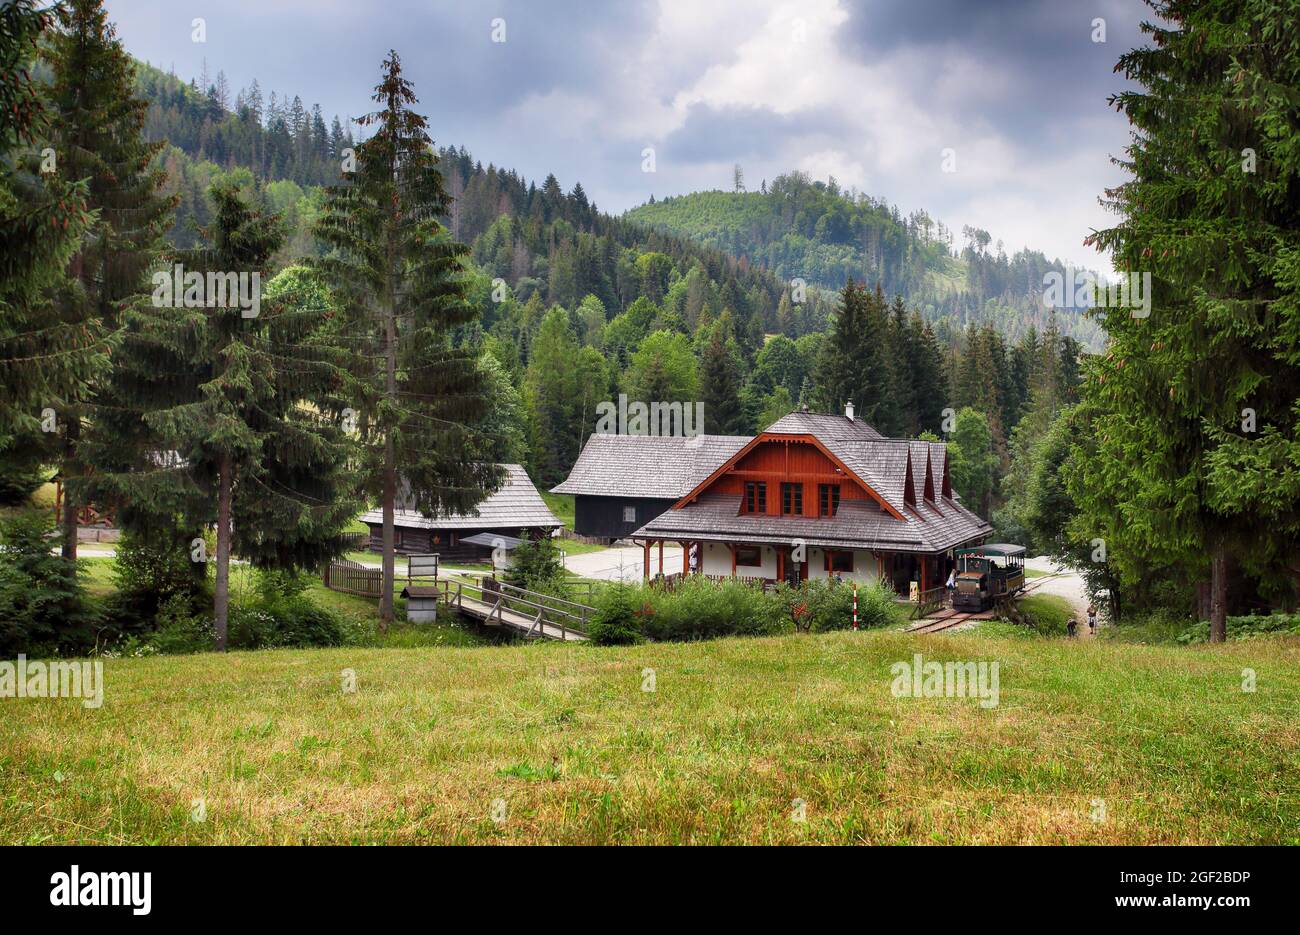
(621, 482)
(515, 511)
(811, 496)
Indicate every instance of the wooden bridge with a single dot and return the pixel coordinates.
(530, 613)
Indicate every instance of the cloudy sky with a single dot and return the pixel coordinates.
(872, 92)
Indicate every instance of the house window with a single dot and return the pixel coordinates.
(792, 499)
(839, 561)
(751, 556)
(755, 497)
(828, 499)
(629, 514)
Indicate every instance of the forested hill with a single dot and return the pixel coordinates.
(800, 228)
(542, 240)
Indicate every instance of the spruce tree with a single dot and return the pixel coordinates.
(400, 285)
(96, 134)
(50, 349)
(719, 383)
(1193, 406)
(226, 409)
(854, 364)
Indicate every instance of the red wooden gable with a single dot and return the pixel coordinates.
(779, 458)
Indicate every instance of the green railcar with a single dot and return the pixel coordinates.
(986, 574)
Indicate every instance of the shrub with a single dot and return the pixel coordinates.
(281, 614)
(152, 571)
(821, 605)
(1244, 628)
(42, 604)
(617, 620)
(179, 630)
(535, 565)
(701, 609)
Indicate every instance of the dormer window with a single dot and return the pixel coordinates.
(792, 499)
(828, 499)
(755, 496)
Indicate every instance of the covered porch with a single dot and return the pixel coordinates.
(770, 562)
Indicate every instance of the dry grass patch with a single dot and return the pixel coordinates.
(433, 741)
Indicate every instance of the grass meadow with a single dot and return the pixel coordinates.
(1093, 742)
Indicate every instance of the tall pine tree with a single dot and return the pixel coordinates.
(719, 383)
(400, 284)
(51, 350)
(225, 408)
(97, 137)
(1194, 407)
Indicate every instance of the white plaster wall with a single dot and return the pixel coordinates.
(717, 561)
(864, 567)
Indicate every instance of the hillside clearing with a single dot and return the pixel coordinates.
(566, 745)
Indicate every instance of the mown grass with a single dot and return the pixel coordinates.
(570, 748)
(1047, 613)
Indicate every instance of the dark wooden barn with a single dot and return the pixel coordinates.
(621, 482)
(515, 511)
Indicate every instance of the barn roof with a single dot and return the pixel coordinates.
(647, 465)
(515, 503)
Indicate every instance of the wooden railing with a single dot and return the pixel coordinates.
(346, 575)
(929, 601)
(544, 609)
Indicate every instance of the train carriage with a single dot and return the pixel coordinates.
(986, 574)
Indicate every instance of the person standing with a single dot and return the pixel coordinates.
(1092, 618)
(1071, 627)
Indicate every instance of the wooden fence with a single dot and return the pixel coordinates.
(354, 578)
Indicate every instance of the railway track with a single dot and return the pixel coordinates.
(946, 619)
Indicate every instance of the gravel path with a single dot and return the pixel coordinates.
(1065, 583)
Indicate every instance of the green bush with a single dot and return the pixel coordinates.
(152, 571)
(823, 605)
(535, 565)
(280, 613)
(180, 631)
(43, 608)
(617, 620)
(700, 609)
(1244, 628)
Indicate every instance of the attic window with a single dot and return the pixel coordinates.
(629, 514)
(828, 499)
(755, 497)
(792, 499)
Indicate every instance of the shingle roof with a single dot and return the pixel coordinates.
(882, 463)
(823, 426)
(516, 503)
(647, 465)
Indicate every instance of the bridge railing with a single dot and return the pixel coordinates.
(545, 609)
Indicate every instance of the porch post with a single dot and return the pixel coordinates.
(645, 561)
(661, 557)
(686, 558)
